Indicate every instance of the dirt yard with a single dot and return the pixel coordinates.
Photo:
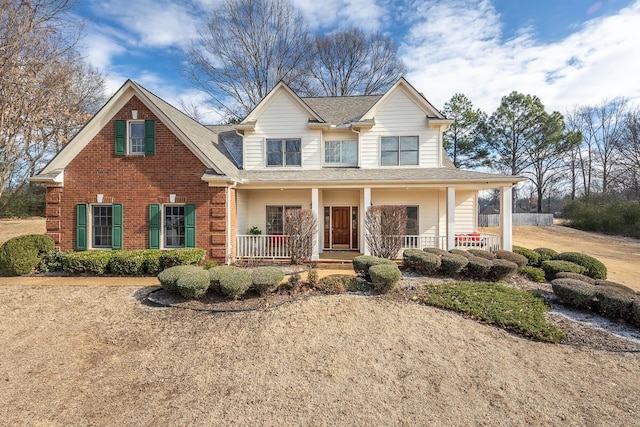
(96, 356)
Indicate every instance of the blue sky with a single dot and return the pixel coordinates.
(567, 52)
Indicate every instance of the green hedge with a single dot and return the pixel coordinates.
(22, 254)
(478, 268)
(611, 284)
(193, 283)
(576, 276)
(168, 278)
(333, 284)
(615, 303)
(518, 259)
(576, 293)
(595, 268)
(533, 273)
(420, 261)
(532, 256)
(385, 276)
(182, 256)
(546, 254)
(436, 251)
(235, 283)
(362, 263)
(552, 268)
(216, 273)
(501, 269)
(87, 262)
(482, 254)
(266, 279)
(461, 252)
(127, 263)
(452, 263)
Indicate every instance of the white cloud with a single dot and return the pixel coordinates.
(331, 14)
(458, 47)
(99, 49)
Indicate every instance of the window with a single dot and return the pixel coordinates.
(284, 152)
(174, 229)
(412, 221)
(275, 218)
(136, 137)
(341, 153)
(399, 150)
(101, 226)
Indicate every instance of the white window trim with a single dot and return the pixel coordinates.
(399, 151)
(284, 157)
(341, 164)
(284, 209)
(128, 138)
(90, 227)
(163, 223)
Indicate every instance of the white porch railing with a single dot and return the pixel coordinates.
(268, 246)
(420, 242)
(488, 242)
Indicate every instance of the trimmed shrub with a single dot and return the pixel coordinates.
(533, 256)
(90, 262)
(420, 261)
(615, 285)
(533, 273)
(482, 254)
(478, 268)
(152, 261)
(635, 312)
(169, 277)
(518, 259)
(332, 284)
(127, 263)
(208, 265)
(216, 273)
(235, 283)
(22, 254)
(313, 278)
(501, 269)
(52, 261)
(436, 251)
(266, 279)
(595, 268)
(576, 276)
(384, 277)
(575, 292)
(546, 254)
(362, 263)
(182, 256)
(357, 284)
(452, 263)
(615, 303)
(552, 268)
(193, 283)
(461, 252)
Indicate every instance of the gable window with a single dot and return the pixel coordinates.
(136, 137)
(284, 152)
(338, 153)
(275, 218)
(399, 150)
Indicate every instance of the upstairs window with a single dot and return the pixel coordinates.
(136, 137)
(341, 153)
(399, 150)
(284, 152)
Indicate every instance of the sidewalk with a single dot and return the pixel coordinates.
(78, 281)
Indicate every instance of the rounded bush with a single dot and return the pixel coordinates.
(533, 273)
(384, 277)
(575, 292)
(611, 284)
(216, 273)
(501, 269)
(595, 268)
(552, 268)
(89, 262)
(193, 283)
(420, 261)
(461, 252)
(546, 254)
(478, 268)
(182, 256)
(356, 284)
(127, 263)
(235, 283)
(576, 276)
(168, 278)
(362, 263)
(615, 303)
(533, 256)
(635, 312)
(452, 263)
(266, 279)
(520, 260)
(332, 284)
(436, 251)
(20, 255)
(482, 254)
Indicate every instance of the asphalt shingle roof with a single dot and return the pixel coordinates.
(341, 110)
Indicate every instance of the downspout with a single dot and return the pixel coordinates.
(229, 187)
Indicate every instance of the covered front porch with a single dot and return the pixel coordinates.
(439, 217)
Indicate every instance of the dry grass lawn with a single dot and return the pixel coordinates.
(96, 356)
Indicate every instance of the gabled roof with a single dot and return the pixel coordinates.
(280, 87)
(341, 110)
(201, 141)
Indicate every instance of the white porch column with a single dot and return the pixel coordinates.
(451, 218)
(506, 219)
(315, 207)
(366, 202)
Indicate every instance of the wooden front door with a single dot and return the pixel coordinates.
(341, 230)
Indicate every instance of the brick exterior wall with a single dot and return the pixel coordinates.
(136, 182)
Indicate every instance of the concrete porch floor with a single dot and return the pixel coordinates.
(338, 257)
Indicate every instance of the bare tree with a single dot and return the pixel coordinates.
(352, 62)
(385, 227)
(301, 227)
(246, 47)
(629, 148)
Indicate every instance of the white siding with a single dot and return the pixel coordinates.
(282, 118)
(341, 197)
(258, 200)
(425, 199)
(466, 211)
(400, 116)
(242, 209)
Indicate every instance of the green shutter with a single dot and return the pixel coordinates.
(116, 226)
(190, 226)
(81, 227)
(149, 137)
(121, 137)
(154, 226)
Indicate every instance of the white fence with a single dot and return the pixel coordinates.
(269, 246)
(493, 220)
